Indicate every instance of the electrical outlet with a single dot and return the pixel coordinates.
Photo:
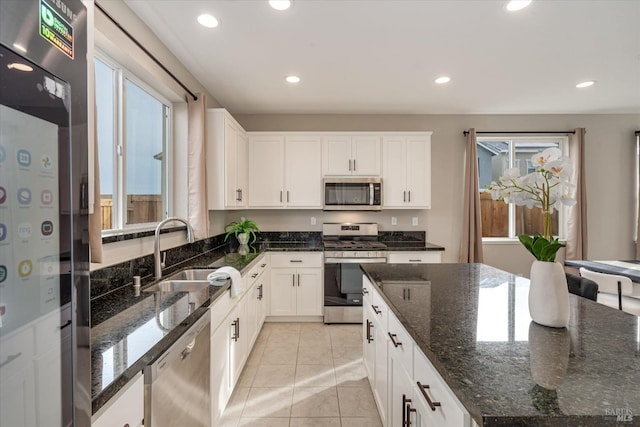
(394, 220)
(313, 220)
(414, 221)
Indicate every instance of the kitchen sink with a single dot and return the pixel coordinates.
(189, 286)
(194, 274)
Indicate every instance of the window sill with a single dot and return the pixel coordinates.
(122, 235)
(506, 241)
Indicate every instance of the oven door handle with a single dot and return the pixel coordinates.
(355, 260)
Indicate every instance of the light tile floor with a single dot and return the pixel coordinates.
(304, 375)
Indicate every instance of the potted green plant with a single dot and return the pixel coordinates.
(242, 230)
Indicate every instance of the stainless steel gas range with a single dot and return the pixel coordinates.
(346, 246)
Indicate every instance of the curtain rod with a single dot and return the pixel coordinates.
(133, 39)
(466, 132)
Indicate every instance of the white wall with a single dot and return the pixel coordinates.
(609, 154)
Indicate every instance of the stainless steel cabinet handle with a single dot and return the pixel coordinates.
(350, 165)
(404, 196)
(393, 340)
(365, 291)
(404, 409)
(375, 309)
(238, 195)
(254, 275)
(298, 280)
(409, 196)
(415, 260)
(260, 292)
(354, 165)
(235, 330)
(263, 265)
(369, 326)
(281, 196)
(295, 260)
(431, 403)
(287, 196)
(293, 280)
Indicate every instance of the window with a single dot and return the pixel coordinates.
(133, 123)
(495, 155)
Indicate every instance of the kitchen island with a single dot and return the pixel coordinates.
(471, 321)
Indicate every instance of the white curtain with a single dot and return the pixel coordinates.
(577, 222)
(471, 239)
(197, 179)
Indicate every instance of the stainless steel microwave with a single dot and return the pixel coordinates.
(352, 194)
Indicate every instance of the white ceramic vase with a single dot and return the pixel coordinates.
(243, 238)
(548, 294)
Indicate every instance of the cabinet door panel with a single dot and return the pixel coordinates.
(419, 172)
(231, 154)
(283, 292)
(400, 390)
(393, 172)
(303, 174)
(380, 389)
(309, 292)
(266, 171)
(242, 162)
(336, 155)
(365, 152)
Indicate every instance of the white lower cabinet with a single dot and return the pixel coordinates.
(235, 325)
(125, 409)
(435, 402)
(407, 388)
(296, 284)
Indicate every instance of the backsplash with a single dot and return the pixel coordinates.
(114, 277)
(110, 278)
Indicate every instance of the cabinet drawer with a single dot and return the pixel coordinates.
(125, 409)
(263, 264)
(220, 308)
(415, 257)
(427, 381)
(296, 260)
(400, 343)
(367, 291)
(380, 308)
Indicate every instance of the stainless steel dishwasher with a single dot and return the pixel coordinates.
(176, 385)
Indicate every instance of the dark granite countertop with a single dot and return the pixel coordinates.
(472, 322)
(130, 332)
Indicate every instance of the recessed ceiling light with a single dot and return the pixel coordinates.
(280, 4)
(586, 83)
(443, 80)
(19, 66)
(207, 20)
(20, 47)
(292, 79)
(514, 5)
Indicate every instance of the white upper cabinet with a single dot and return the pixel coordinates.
(226, 161)
(406, 171)
(355, 155)
(284, 171)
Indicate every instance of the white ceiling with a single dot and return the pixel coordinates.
(382, 56)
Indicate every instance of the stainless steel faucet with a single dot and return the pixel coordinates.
(159, 264)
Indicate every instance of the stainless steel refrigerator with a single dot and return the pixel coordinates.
(44, 256)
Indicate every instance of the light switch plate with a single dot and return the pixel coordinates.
(394, 220)
(414, 220)
(313, 220)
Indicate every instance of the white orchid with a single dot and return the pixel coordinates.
(547, 187)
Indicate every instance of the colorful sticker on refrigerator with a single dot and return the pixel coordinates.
(55, 29)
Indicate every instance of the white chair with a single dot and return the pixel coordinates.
(614, 291)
